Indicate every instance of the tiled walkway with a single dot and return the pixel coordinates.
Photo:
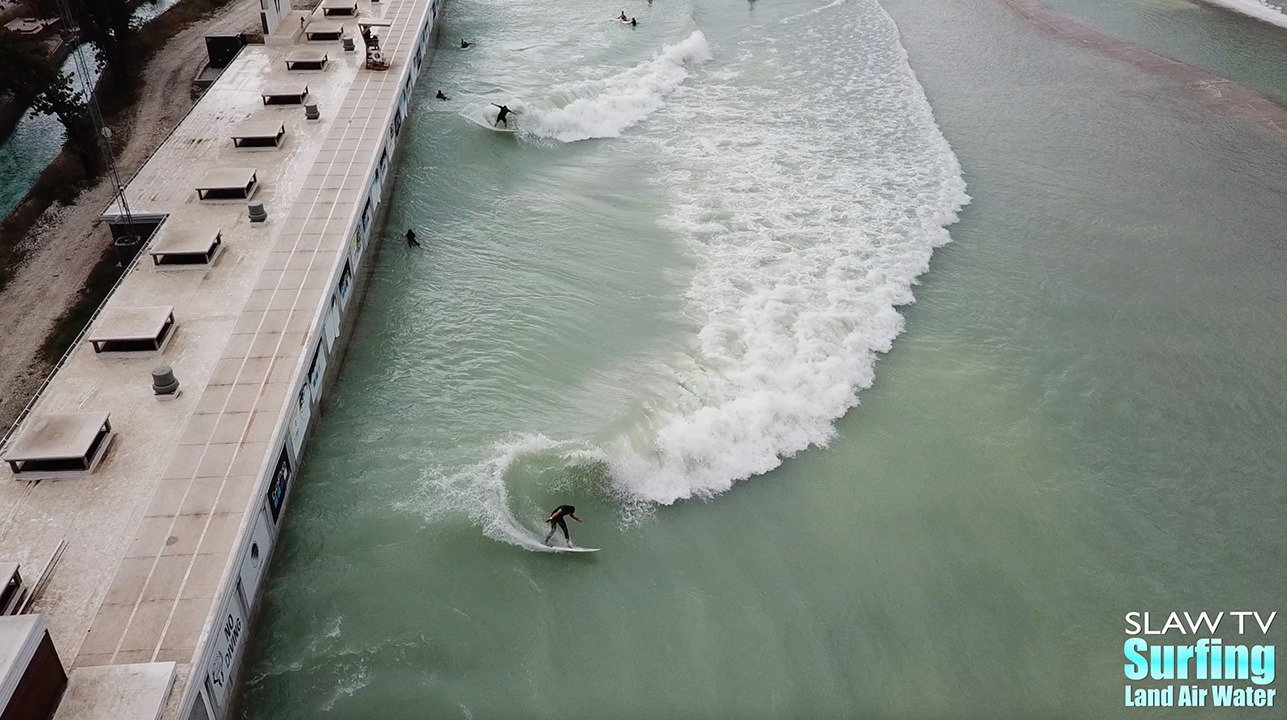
(164, 587)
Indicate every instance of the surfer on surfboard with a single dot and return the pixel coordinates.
(501, 116)
(556, 522)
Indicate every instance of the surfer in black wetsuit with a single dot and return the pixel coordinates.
(464, 44)
(440, 96)
(501, 116)
(556, 522)
(411, 239)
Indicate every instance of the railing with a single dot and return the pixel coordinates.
(26, 411)
(4, 441)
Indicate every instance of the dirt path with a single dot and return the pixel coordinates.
(68, 241)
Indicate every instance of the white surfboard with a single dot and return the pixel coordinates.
(485, 116)
(573, 549)
(480, 122)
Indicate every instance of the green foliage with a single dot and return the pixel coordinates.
(28, 73)
(106, 23)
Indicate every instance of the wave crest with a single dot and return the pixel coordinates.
(605, 108)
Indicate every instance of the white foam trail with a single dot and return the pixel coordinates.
(810, 223)
(604, 108)
(1255, 9)
(351, 681)
(481, 489)
(811, 199)
(807, 13)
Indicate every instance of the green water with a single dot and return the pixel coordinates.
(1082, 417)
(1214, 38)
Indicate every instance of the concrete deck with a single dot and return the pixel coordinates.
(114, 692)
(157, 534)
(137, 323)
(56, 435)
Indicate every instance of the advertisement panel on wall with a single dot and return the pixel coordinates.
(300, 416)
(255, 560)
(346, 283)
(317, 371)
(331, 326)
(227, 637)
(278, 487)
(355, 251)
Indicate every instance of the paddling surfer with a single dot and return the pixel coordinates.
(501, 116)
(556, 522)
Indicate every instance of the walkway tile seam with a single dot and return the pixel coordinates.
(362, 134)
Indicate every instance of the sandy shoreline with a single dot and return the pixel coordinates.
(68, 240)
(1252, 8)
(1208, 88)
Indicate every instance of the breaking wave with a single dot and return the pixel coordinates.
(604, 108)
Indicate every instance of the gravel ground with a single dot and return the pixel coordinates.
(68, 240)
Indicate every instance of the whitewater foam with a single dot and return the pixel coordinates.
(605, 108)
(482, 490)
(810, 200)
(807, 13)
(810, 224)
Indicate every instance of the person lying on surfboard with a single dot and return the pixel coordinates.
(556, 522)
(500, 116)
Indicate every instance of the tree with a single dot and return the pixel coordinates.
(61, 99)
(106, 23)
(26, 72)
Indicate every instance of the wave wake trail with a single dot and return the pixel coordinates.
(482, 489)
(809, 201)
(605, 108)
(809, 224)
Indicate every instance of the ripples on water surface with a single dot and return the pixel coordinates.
(680, 271)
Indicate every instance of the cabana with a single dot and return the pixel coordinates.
(72, 442)
(285, 94)
(324, 30)
(339, 7)
(259, 133)
(227, 184)
(184, 247)
(306, 59)
(133, 330)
